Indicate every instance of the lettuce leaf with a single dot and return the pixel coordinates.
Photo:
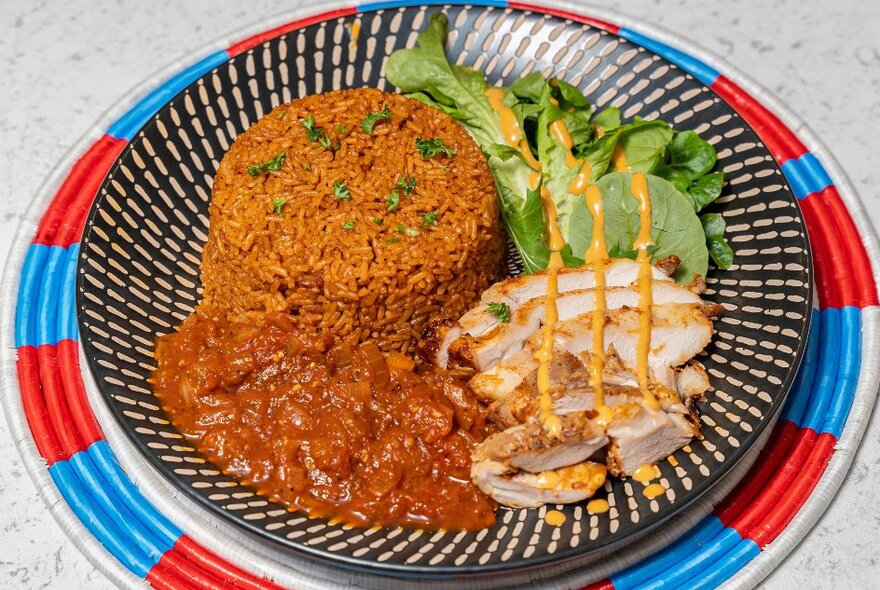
(679, 164)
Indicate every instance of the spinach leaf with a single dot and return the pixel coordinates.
(719, 249)
(705, 190)
(679, 180)
(690, 155)
(676, 229)
(643, 144)
(598, 153)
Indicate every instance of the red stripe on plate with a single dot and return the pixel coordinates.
(34, 407)
(796, 493)
(865, 290)
(600, 585)
(78, 403)
(98, 157)
(823, 262)
(778, 486)
(250, 42)
(163, 577)
(76, 205)
(56, 402)
(782, 143)
(228, 572)
(765, 466)
(197, 576)
(593, 22)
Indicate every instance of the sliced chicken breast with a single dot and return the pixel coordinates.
(530, 490)
(528, 447)
(516, 291)
(678, 333)
(485, 351)
(639, 435)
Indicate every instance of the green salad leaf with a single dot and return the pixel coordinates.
(719, 249)
(675, 228)
(678, 163)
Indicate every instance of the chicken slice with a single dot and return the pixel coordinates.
(514, 292)
(485, 351)
(640, 435)
(530, 490)
(678, 333)
(529, 447)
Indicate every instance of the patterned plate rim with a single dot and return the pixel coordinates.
(747, 570)
(651, 521)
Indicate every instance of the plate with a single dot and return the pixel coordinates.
(138, 271)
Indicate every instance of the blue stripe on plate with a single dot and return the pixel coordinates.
(47, 300)
(93, 518)
(105, 497)
(145, 511)
(826, 376)
(819, 179)
(692, 541)
(847, 373)
(691, 65)
(724, 568)
(797, 401)
(26, 304)
(67, 328)
(695, 564)
(131, 122)
(798, 177)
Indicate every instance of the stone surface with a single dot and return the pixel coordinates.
(62, 64)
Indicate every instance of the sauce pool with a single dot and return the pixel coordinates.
(328, 429)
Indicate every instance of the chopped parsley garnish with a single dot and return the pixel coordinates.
(348, 225)
(372, 118)
(429, 219)
(341, 191)
(407, 185)
(278, 205)
(282, 113)
(273, 164)
(378, 220)
(316, 133)
(433, 146)
(393, 240)
(305, 166)
(399, 229)
(312, 132)
(412, 232)
(341, 129)
(500, 311)
(392, 201)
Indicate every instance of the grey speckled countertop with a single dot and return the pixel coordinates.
(62, 64)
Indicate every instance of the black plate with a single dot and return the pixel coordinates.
(138, 272)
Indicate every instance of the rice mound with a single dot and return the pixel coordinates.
(284, 240)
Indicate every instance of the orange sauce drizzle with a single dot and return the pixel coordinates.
(544, 354)
(618, 159)
(597, 255)
(598, 506)
(645, 473)
(355, 30)
(560, 133)
(654, 490)
(639, 187)
(554, 518)
(509, 124)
